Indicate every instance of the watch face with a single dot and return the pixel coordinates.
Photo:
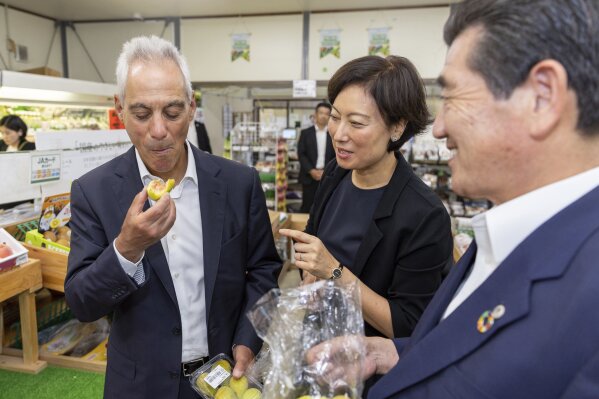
(336, 273)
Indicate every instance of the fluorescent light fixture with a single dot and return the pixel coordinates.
(19, 87)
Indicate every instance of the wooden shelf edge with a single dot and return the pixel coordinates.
(11, 363)
(64, 361)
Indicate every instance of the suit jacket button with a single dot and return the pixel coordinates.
(176, 331)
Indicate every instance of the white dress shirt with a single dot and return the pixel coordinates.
(185, 256)
(502, 228)
(321, 144)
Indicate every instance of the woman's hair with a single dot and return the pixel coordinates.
(396, 88)
(149, 49)
(13, 122)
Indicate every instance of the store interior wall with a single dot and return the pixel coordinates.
(275, 48)
(104, 41)
(415, 33)
(33, 32)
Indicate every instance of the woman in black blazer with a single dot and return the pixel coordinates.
(373, 219)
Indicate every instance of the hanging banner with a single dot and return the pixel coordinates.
(378, 41)
(330, 42)
(240, 46)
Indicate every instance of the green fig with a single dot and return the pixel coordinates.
(223, 363)
(225, 393)
(239, 385)
(204, 386)
(252, 393)
(157, 188)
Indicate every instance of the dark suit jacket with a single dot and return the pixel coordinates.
(545, 346)
(240, 265)
(406, 247)
(307, 153)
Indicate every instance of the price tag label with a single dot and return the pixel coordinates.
(217, 376)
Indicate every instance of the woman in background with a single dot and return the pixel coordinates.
(14, 131)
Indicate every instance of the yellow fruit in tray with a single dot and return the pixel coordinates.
(223, 363)
(346, 396)
(63, 230)
(204, 386)
(225, 393)
(54, 223)
(63, 242)
(252, 393)
(239, 385)
(50, 236)
(157, 188)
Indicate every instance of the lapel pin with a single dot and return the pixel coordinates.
(487, 319)
(498, 312)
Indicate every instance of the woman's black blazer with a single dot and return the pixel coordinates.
(407, 248)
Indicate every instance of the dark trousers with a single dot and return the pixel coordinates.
(308, 194)
(185, 389)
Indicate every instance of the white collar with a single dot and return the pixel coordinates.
(508, 224)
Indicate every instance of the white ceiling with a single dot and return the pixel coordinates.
(77, 10)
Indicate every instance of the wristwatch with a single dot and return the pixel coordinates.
(337, 272)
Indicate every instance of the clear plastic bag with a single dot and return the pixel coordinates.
(292, 321)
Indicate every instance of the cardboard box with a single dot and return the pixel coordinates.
(19, 253)
(43, 71)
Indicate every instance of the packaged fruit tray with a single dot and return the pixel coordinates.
(12, 253)
(35, 238)
(213, 381)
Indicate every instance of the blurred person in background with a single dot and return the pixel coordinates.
(314, 151)
(14, 131)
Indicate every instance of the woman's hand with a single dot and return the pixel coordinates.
(311, 255)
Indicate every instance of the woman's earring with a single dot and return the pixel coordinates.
(394, 138)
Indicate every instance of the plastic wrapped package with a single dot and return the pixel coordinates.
(292, 321)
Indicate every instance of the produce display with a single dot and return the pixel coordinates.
(214, 381)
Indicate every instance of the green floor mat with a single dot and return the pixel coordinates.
(51, 383)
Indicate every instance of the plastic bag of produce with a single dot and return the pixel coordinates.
(291, 321)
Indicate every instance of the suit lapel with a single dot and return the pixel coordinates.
(384, 209)
(129, 185)
(545, 254)
(213, 198)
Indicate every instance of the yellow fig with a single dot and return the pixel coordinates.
(223, 363)
(225, 393)
(252, 393)
(157, 188)
(204, 386)
(239, 385)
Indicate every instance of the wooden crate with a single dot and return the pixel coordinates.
(23, 281)
(54, 266)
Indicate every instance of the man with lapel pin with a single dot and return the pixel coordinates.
(517, 316)
(178, 274)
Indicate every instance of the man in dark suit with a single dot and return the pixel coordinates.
(314, 150)
(177, 274)
(517, 316)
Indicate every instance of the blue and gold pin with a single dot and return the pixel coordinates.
(487, 319)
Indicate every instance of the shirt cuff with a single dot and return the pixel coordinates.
(129, 267)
